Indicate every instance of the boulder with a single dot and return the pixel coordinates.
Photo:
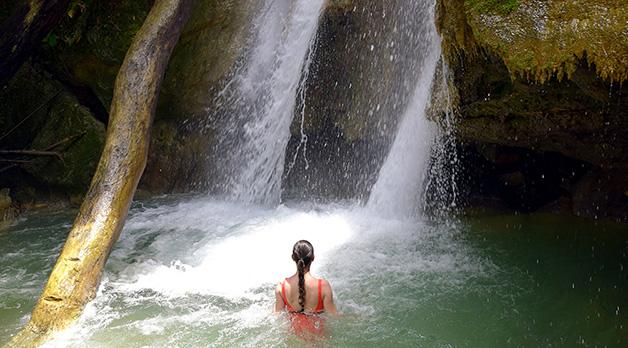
(72, 132)
(25, 103)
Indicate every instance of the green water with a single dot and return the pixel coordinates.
(488, 281)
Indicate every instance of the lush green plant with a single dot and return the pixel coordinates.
(501, 7)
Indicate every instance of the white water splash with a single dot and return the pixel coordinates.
(264, 100)
(398, 190)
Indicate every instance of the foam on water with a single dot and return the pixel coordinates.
(238, 257)
(208, 265)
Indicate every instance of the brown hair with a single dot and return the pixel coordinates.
(303, 255)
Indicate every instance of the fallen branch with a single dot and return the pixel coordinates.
(65, 140)
(29, 115)
(8, 167)
(32, 153)
(45, 152)
(14, 161)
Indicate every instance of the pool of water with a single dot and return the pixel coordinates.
(201, 272)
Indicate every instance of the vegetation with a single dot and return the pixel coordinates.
(500, 7)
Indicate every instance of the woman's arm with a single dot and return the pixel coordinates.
(279, 305)
(328, 299)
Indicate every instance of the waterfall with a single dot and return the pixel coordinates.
(260, 99)
(398, 189)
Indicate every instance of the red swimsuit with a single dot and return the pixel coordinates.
(306, 322)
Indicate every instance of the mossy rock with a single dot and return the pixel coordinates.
(499, 7)
(85, 136)
(25, 103)
(92, 41)
(540, 39)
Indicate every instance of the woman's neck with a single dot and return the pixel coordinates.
(305, 273)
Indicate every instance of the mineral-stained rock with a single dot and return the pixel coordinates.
(533, 74)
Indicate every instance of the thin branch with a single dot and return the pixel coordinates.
(29, 115)
(31, 153)
(65, 140)
(8, 167)
(3, 160)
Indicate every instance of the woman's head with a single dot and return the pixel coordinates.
(303, 255)
(303, 251)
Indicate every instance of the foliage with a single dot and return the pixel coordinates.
(501, 7)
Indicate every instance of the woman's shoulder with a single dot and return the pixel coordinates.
(325, 283)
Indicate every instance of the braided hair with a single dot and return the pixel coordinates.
(303, 255)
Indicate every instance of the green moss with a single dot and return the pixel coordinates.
(501, 7)
(539, 39)
(92, 41)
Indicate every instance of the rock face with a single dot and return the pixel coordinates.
(68, 87)
(539, 87)
(38, 114)
(541, 79)
(183, 135)
(73, 132)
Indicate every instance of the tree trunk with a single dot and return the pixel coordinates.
(77, 273)
(23, 31)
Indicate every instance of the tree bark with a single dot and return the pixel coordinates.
(23, 31)
(78, 271)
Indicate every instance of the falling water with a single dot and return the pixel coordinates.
(397, 191)
(260, 99)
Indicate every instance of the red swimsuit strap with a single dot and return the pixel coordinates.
(320, 306)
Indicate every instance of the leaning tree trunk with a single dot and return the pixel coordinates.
(23, 31)
(77, 273)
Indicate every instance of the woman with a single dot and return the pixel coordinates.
(304, 296)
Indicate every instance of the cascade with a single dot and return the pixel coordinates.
(398, 189)
(260, 99)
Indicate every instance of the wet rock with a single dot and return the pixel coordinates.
(205, 54)
(8, 211)
(91, 44)
(512, 179)
(526, 77)
(539, 39)
(601, 194)
(533, 75)
(24, 106)
(72, 132)
(177, 160)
